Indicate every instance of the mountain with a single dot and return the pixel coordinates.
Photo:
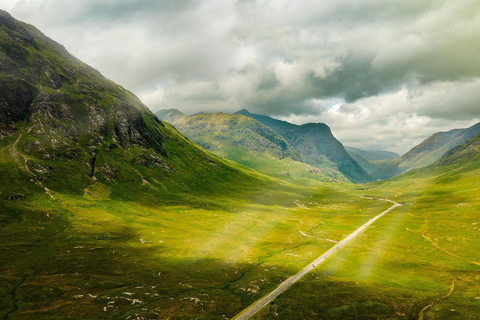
(170, 115)
(426, 153)
(61, 118)
(246, 141)
(371, 161)
(86, 171)
(465, 156)
(373, 155)
(315, 145)
(368, 166)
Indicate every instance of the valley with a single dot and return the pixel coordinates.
(109, 211)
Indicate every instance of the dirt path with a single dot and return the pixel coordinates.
(443, 250)
(259, 304)
(15, 154)
(452, 287)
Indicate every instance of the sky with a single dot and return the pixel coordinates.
(384, 75)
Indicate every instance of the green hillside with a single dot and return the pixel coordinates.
(426, 153)
(316, 146)
(248, 142)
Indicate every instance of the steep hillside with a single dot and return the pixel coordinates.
(464, 157)
(315, 145)
(246, 141)
(59, 119)
(429, 151)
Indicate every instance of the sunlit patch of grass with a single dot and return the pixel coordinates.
(212, 254)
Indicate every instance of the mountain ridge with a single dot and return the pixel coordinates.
(246, 141)
(316, 146)
(427, 152)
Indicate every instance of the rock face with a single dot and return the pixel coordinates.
(40, 81)
(316, 146)
(427, 152)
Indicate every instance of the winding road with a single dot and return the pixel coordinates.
(259, 304)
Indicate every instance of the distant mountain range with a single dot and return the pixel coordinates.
(427, 152)
(248, 142)
(269, 145)
(311, 144)
(373, 155)
(371, 161)
(315, 145)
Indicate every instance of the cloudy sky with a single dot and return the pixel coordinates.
(382, 74)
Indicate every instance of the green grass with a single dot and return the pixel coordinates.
(94, 250)
(406, 261)
(208, 250)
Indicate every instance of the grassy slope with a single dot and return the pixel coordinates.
(424, 253)
(161, 254)
(248, 142)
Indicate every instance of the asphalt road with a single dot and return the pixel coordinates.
(259, 304)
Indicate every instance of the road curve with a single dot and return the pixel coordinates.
(259, 304)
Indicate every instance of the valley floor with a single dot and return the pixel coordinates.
(94, 257)
(258, 305)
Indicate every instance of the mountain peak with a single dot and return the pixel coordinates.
(245, 112)
(170, 115)
(316, 146)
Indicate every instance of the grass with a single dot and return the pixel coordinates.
(162, 248)
(202, 238)
(214, 255)
(406, 262)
